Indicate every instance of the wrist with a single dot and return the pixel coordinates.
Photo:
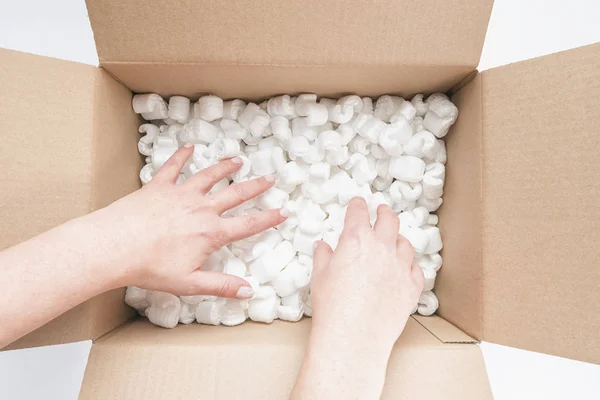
(340, 364)
(363, 339)
(91, 235)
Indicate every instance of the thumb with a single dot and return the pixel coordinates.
(216, 284)
(322, 255)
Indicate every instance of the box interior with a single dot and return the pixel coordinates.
(489, 286)
(527, 134)
(476, 286)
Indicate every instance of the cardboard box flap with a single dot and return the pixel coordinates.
(541, 220)
(309, 32)
(46, 108)
(259, 82)
(142, 361)
(443, 330)
(69, 147)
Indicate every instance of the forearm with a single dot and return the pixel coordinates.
(49, 274)
(341, 366)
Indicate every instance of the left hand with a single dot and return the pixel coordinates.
(161, 234)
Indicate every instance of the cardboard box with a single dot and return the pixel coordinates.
(520, 222)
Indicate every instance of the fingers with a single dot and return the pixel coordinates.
(237, 193)
(214, 284)
(204, 180)
(357, 215)
(238, 228)
(170, 170)
(322, 255)
(404, 250)
(387, 224)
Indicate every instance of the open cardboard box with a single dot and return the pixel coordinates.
(520, 221)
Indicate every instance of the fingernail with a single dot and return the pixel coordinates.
(284, 212)
(270, 178)
(236, 160)
(245, 292)
(188, 145)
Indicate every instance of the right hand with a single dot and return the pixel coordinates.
(368, 286)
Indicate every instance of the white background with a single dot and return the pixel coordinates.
(518, 30)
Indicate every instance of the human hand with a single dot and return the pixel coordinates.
(167, 231)
(368, 286)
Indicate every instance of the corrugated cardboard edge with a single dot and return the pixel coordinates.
(443, 330)
(462, 83)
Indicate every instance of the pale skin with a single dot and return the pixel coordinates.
(158, 237)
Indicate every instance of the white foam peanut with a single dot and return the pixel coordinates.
(209, 108)
(232, 109)
(209, 312)
(407, 168)
(235, 266)
(429, 279)
(233, 313)
(262, 162)
(164, 309)
(272, 198)
(187, 315)
(435, 240)
(179, 108)
(137, 298)
(151, 106)
(198, 131)
(264, 310)
(292, 174)
(428, 303)
(304, 243)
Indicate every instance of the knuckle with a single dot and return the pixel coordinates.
(240, 191)
(214, 239)
(220, 238)
(253, 224)
(213, 174)
(222, 289)
(211, 202)
(354, 235)
(191, 290)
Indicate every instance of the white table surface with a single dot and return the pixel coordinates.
(518, 30)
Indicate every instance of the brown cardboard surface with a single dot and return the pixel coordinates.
(142, 361)
(541, 220)
(46, 108)
(116, 161)
(334, 32)
(459, 282)
(256, 82)
(65, 128)
(443, 330)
